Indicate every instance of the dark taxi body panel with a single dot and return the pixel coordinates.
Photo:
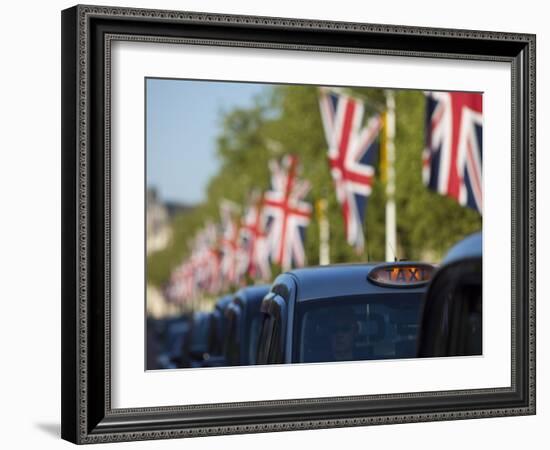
(452, 314)
(173, 335)
(243, 320)
(217, 332)
(469, 247)
(196, 353)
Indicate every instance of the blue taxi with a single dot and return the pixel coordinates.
(343, 312)
(452, 316)
(195, 353)
(171, 335)
(243, 320)
(216, 340)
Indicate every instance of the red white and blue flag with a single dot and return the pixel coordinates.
(352, 150)
(234, 259)
(206, 259)
(181, 288)
(254, 239)
(288, 214)
(452, 159)
(200, 272)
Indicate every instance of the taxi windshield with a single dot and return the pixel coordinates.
(381, 326)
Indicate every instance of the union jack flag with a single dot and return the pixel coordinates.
(288, 215)
(181, 288)
(234, 260)
(206, 258)
(452, 159)
(352, 149)
(254, 238)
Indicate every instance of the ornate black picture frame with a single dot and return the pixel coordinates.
(87, 34)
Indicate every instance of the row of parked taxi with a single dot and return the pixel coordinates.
(341, 312)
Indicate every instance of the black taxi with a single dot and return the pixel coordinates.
(195, 353)
(217, 332)
(452, 316)
(243, 320)
(343, 312)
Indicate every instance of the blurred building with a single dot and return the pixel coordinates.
(159, 231)
(157, 306)
(159, 215)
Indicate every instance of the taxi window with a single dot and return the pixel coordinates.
(383, 326)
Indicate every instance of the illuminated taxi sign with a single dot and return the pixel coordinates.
(401, 274)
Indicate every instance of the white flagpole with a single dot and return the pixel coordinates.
(391, 234)
(324, 250)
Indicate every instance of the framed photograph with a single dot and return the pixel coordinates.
(280, 224)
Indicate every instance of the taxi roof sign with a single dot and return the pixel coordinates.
(402, 274)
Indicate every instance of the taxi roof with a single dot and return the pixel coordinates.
(469, 247)
(340, 280)
(200, 315)
(254, 292)
(224, 301)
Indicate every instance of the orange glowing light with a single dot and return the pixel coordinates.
(402, 275)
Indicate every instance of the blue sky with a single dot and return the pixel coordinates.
(183, 121)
